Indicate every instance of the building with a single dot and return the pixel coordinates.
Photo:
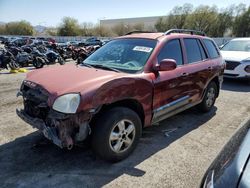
(147, 22)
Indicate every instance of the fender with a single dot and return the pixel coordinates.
(123, 88)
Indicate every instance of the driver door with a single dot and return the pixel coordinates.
(172, 88)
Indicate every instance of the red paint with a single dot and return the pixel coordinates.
(151, 89)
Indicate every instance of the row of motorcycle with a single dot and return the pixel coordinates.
(40, 54)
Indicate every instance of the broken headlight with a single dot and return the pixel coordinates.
(67, 103)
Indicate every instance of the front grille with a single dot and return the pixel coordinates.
(35, 101)
(231, 65)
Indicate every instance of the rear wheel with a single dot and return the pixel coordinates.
(209, 97)
(61, 61)
(116, 134)
(38, 62)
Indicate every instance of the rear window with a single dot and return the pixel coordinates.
(211, 48)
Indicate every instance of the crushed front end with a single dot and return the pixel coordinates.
(62, 129)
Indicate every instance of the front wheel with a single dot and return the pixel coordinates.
(209, 97)
(116, 134)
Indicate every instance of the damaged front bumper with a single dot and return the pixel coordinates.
(64, 130)
(49, 132)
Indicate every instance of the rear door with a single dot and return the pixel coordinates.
(198, 66)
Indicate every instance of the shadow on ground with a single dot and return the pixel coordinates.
(236, 85)
(23, 165)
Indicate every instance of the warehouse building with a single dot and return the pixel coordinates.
(147, 22)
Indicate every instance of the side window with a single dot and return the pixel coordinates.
(211, 48)
(193, 50)
(172, 50)
(202, 50)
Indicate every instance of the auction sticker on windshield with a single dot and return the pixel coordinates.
(142, 49)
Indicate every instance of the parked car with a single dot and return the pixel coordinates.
(92, 41)
(236, 54)
(132, 82)
(231, 168)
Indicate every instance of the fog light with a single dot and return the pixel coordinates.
(247, 68)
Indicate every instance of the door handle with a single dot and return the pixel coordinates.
(184, 74)
(210, 68)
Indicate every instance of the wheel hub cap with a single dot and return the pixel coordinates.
(122, 136)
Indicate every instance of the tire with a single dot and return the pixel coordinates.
(209, 98)
(13, 65)
(38, 62)
(61, 61)
(112, 121)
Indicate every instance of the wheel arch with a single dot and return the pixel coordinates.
(132, 104)
(217, 82)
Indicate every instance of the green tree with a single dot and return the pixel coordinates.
(19, 28)
(69, 27)
(241, 26)
(2, 29)
(51, 31)
(121, 29)
(224, 22)
(175, 19)
(203, 18)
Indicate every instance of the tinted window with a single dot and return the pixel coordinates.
(203, 53)
(211, 48)
(193, 50)
(172, 50)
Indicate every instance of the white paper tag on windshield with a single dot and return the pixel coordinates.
(142, 49)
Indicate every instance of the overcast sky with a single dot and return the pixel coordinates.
(50, 12)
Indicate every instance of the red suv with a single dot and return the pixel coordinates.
(131, 82)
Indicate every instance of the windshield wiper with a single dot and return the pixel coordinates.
(104, 67)
(87, 65)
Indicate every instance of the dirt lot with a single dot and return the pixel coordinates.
(176, 160)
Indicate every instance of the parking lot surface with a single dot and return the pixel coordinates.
(175, 153)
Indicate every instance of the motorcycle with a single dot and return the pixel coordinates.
(7, 60)
(48, 58)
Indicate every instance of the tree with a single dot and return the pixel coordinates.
(101, 31)
(224, 22)
(139, 26)
(69, 27)
(121, 29)
(19, 28)
(241, 26)
(175, 19)
(51, 31)
(203, 19)
(2, 29)
(160, 25)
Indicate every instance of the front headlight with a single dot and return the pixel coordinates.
(67, 103)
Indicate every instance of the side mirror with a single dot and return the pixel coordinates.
(166, 65)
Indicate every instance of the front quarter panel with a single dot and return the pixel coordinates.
(139, 88)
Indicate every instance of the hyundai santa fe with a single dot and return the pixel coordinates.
(132, 82)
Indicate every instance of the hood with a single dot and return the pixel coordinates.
(59, 80)
(235, 55)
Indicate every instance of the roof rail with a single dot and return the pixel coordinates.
(136, 31)
(192, 32)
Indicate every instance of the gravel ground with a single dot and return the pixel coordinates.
(162, 159)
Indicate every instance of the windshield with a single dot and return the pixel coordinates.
(239, 45)
(125, 55)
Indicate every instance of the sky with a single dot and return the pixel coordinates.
(51, 12)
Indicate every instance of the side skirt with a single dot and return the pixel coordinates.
(171, 112)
